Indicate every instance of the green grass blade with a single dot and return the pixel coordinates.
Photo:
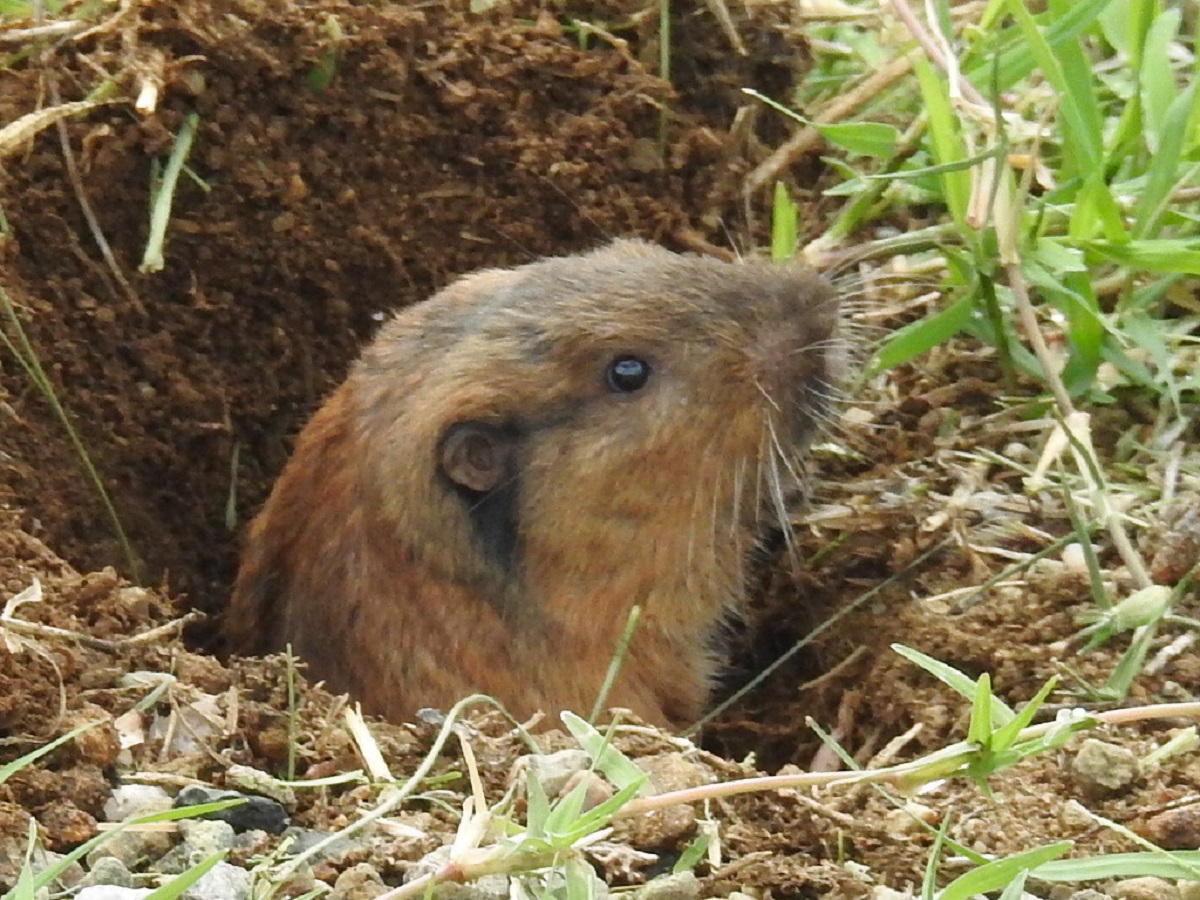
(1017, 59)
(8, 770)
(580, 880)
(538, 808)
(611, 762)
(1096, 212)
(1166, 255)
(1001, 713)
(26, 887)
(691, 855)
(1016, 887)
(1166, 864)
(785, 225)
(1061, 65)
(592, 820)
(862, 138)
(182, 882)
(1124, 24)
(1163, 173)
(945, 140)
(1006, 735)
(1157, 75)
(565, 812)
(160, 210)
(979, 730)
(917, 337)
(998, 874)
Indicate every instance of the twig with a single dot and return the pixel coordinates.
(50, 632)
(85, 205)
(40, 32)
(808, 137)
(935, 53)
(945, 761)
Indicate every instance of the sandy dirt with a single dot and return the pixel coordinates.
(351, 159)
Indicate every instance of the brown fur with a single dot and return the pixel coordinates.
(367, 558)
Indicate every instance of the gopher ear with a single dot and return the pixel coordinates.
(477, 457)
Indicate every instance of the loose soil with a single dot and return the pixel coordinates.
(351, 159)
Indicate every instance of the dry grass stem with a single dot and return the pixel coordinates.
(808, 138)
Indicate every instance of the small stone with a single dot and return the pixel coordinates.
(222, 882)
(65, 825)
(201, 839)
(680, 886)
(1087, 894)
(302, 882)
(1174, 829)
(1102, 768)
(1144, 889)
(910, 819)
(261, 813)
(620, 863)
(645, 156)
(111, 892)
(130, 801)
(205, 837)
(553, 770)
(109, 870)
(359, 882)
(132, 848)
(304, 839)
(664, 829)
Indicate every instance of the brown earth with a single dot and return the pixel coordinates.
(447, 140)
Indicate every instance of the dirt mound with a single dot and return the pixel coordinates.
(350, 159)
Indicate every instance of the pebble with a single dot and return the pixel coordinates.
(1144, 889)
(108, 871)
(554, 770)
(223, 881)
(1102, 768)
(130, 801)
(1175, 829)
(359, 882)
(201, 839)
(257, 813)
(667, 828)
(304, 838)
(680, 886)
(131, 848)
(111, 892)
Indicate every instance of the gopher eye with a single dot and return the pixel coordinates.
(627, 374)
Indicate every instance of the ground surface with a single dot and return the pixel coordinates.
(442, 142)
